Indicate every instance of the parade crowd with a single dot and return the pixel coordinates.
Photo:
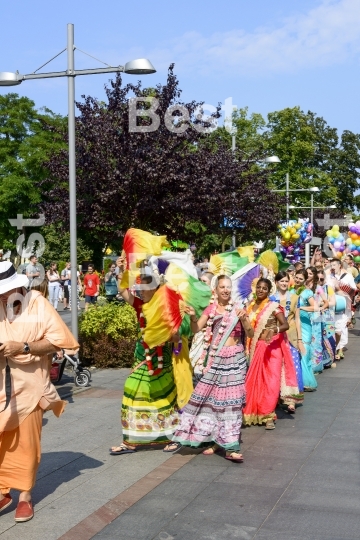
(217, 348)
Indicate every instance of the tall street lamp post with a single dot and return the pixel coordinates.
(135, 67)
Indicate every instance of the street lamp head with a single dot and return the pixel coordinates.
(314, 189)
(142, 66)
(9, 79)
(333, 206)
(272, 159)
(292, 206)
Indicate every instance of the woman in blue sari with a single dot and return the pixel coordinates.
(310, 322)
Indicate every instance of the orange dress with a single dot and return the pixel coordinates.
(32, 391)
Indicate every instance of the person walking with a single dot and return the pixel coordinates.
(214, 411)
(75, 282)
(111, 285)
(65, 282)
(91, 286)
(272, 372)
(30, 329)
(54, 284)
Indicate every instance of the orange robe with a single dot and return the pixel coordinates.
(32, 391)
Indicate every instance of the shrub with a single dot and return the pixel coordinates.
(107, 335)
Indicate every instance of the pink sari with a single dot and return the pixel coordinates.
(271, 373)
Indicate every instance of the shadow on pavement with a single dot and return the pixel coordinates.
(61, 467)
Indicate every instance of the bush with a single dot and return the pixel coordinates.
(107, 335)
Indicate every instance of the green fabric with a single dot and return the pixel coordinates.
(149, 408)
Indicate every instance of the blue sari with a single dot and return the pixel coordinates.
(310, 382)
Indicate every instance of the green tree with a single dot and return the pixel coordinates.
(27, 138)
(310, 152)
(57, 246)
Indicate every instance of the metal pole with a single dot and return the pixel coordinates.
(72, 177)
(233, 148)
(287, 196)
(312, 209)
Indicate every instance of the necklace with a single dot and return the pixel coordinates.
(253, 314)
(209, 331)
(148, 355)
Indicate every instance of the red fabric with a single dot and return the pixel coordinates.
(264, 376)
(91, 281)
(137, 305)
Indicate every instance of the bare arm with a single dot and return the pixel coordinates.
(37, 348)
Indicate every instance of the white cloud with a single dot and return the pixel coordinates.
(326, 35)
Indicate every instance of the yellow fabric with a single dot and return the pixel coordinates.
(269, 260)
(139, 245)
(20, 453)
(246, 251)
(182, 370)
(30, 375)
(163, 316)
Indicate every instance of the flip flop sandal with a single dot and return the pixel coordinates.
(214, 450)
(235, 460)
(177, 447)
(123, 450)
(269, 425)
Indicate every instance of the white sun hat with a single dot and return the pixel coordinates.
(9, 279)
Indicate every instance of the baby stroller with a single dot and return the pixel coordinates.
(82, 376)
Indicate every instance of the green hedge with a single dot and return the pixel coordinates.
(107, 335)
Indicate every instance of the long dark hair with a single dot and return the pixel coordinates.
(51, 269)
(303, 272)
(315, 278)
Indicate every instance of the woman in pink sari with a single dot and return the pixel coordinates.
(272, 372)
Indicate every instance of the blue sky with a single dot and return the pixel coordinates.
(265, 54)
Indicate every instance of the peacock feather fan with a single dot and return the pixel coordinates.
(164, 314)
(269, 260)
(194, 293)
(139, 245)
(227, 263)
(244, 282)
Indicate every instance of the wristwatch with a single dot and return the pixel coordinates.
(26, 348)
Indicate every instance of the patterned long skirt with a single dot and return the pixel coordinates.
(149, 412)
(214, 411)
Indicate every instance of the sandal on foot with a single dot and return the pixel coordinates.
(270, 424)
(122, 449)
(172, 447)
(232, 457)
(211, 450)
(291, 409)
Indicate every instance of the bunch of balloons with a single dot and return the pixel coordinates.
(294, 234)
(353, 241)
(337, 240)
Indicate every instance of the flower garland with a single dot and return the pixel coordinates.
(148, 356)
(209, 333)
(253, 314)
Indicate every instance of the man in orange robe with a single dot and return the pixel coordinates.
(30, 329)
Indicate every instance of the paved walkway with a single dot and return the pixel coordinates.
(298, 482)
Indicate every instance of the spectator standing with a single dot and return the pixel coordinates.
(351, 268)
(65, 282)
(54, 284)
(91, 286)
(111, 288)
(77, 284)
(32, 271)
